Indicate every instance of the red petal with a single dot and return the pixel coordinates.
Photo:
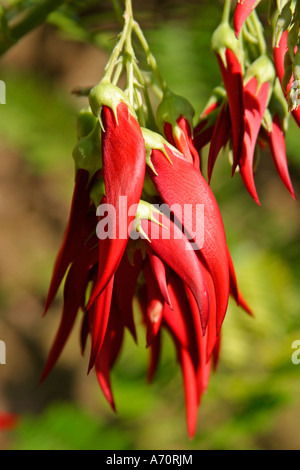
(219, 138)
(279, 55)
(278, 151)
(255, 106)
(179, 320)
(74, 292)
(109, 352)
(190, 389)
(232, 76)
(125, 284)
(99, 315)
(75, 235)
(155, 350)
(159, 271)
(192, 189)
(154, 308)
(124, 163)
(234, 290)
(174, 249)
(241, 13)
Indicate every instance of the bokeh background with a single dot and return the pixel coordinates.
(253, 401)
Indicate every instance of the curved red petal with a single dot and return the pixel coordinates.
(241, 13)
(278, 152)
(255, 106)
(184, 196)
(124, 164)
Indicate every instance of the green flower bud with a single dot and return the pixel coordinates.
(171, 108)
(224, 38)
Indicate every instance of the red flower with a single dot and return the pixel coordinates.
(256, 99)
(78, 224)
(176, 262)
(276, 140)
(174, 117)
(220, 136)
(191, 189)
(232, 75)
(124, 163)
(279, 53)
(241, 13)
(181, 138)
(204, 128)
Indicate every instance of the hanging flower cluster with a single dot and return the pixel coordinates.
(250, 109)
(144, 222)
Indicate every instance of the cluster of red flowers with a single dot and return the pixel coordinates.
(249, 112)
(182, 278)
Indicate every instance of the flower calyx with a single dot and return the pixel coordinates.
(107, 94)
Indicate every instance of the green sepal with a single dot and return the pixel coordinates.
(87, 152)
(107, 94)
(263, 69)
(267, 121)
(155, 141)
(172, 107)
(145, 211)
(224, 38)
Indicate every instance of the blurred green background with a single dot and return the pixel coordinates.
(253, 400)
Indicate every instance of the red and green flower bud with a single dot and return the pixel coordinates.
(224, 38)
(109, 95)
(171, 108)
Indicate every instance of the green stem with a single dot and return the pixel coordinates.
(150, 57)
(259, 32)
(226, 11)
(120, 44)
